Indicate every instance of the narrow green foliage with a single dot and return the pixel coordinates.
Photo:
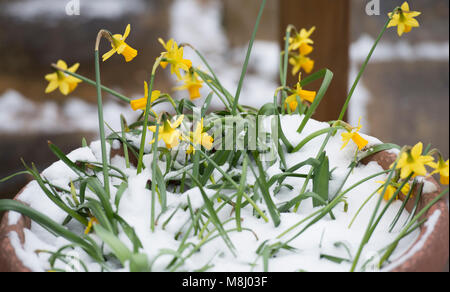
(247, 58)
(273, 211)
(327, 76)
(321, 180)
(214, 217)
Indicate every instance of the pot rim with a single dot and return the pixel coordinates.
(428, 254)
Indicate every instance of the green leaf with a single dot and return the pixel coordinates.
(96, 186)
(78, 170)
(267, 110)
(334, 259)
(54, 198)
(161, 184)
(263, 186)
(327, 78)
(139, 263)
(285, 208)
(240, 193)
(99, 214)
(321, 180)
(130, 232)
(13, 175)
(119, 249)
(206, 104)
(281, 177)
(247, 58)
(50, 225)
(120, 191)
(378, 148)
(220, 158)
(214, 218)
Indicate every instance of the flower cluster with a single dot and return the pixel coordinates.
(413, 163)
(300, 46)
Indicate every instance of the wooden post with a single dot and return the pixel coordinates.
(331, 47)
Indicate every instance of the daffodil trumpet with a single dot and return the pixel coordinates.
(353, 134)
(119, 45)
(192, 84)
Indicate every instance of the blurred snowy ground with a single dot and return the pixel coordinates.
(200, 23)
(385, 52)
(53, 9)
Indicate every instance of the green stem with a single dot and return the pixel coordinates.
(313, 136)
(230, 180)
(335, 200)
(101, 124)
(146, 114)
(363, 68)
(405, 231)
(308, 178)
(222, 89)
(91, 82)
(362, 206)
(154, 165)
(247, 58)
(125, 146)
(372, 219)
(285, 66)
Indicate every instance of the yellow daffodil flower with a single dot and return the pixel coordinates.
(442, 167)
(120, 47)
(91, 223)
(302, 41)
(391, 190)
(192, 83)
(413, 161)
(61, 80)
(199, 137)
(141, 104)
(168, 132)
(353, 134)
(305, 95)
(301, 62)
(174, 56)
(403, 18)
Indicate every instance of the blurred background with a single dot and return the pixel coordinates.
(403, 96)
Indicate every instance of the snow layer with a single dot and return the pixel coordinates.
(136, 203)
(56, 9)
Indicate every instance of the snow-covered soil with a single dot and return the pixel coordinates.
(319, 239)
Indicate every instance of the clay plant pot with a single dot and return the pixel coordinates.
(429, 254)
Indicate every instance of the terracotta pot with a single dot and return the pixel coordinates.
(429, 254)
